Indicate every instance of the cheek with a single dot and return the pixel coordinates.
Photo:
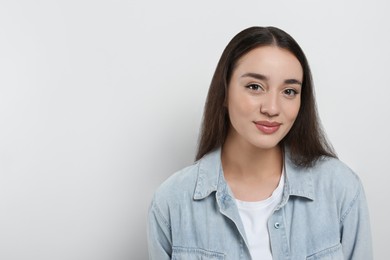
(293, 110)
(243, 104)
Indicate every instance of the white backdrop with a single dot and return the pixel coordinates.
(100, 101)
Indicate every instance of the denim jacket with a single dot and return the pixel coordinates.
(322, 215)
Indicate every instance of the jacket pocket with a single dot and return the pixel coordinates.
(331, 253)
(183, 253)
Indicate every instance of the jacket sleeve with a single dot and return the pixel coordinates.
(355, 228)
(159, 235)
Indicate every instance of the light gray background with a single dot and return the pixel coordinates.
(100, 101)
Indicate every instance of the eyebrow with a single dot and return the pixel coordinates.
(263, 77)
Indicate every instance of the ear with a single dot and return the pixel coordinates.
(225, 101)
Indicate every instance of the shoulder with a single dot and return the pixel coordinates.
(334, 171)
(178, 186)
(334, 180)
(200, 178)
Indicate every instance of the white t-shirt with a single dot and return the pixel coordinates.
(254, 216)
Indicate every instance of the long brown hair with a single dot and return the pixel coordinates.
(306, 139)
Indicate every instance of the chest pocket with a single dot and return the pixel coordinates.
(182, 253)
(332, 253)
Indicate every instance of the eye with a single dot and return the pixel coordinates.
(254, 87)
(290, 92)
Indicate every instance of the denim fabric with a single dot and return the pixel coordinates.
(323, 215)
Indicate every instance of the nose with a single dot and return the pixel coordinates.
(270, 105)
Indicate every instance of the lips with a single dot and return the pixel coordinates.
(267, 127)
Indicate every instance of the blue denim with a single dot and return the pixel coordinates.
(323, 215)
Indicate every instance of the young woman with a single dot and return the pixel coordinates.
(266, 184)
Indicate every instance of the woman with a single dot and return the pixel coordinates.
(266, 184)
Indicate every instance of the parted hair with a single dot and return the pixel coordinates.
(306, 140)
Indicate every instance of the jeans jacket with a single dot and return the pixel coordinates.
(322, 215)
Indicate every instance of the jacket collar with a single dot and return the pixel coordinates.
(298, 180)
(209, 174)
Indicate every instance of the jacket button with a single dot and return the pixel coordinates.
(277, 225)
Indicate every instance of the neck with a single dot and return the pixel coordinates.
(245, 160)
(252, 173)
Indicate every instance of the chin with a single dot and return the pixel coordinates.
(265, 146)
(268, 141)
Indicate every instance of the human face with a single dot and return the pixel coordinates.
(264, 96)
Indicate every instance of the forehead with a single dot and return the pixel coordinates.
(270, 60)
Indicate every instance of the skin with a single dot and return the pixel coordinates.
(264, 88)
